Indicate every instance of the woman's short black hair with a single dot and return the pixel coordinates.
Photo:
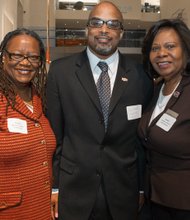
(183, 32)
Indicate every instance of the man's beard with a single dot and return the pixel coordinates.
(104, 50)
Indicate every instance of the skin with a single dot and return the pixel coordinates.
(21, 73)
(168, 58)
(103, 41)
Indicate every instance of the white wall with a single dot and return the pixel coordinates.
(36, 13)
(171, 9)
(8, 16)
(131, 9)
(36, 18)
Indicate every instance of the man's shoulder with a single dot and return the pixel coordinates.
(127, 58)
(68, 59)
(67, 65)
(128, 62)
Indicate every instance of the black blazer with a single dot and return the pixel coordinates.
(85, 153)
(168, 152)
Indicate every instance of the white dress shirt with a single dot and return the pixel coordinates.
(112, 63)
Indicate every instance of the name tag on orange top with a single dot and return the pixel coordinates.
(17, 125)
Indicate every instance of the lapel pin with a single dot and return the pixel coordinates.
(124, 79)
(176, 94)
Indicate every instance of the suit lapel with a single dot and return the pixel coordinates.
(119, 85)
(86, 79)
(84, 74)
(170, 103)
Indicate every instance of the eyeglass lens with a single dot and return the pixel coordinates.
(112, 24)
(20, 57)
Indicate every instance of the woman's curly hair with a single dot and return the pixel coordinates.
(38, 82)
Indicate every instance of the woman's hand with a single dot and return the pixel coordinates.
(54, 205)
(141, 201)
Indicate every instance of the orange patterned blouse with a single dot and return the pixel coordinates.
(27, 144)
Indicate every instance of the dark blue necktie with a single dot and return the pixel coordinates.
(104, 91)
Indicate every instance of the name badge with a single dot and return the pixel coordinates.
(17, 125)
(167, 120)
(134, 112)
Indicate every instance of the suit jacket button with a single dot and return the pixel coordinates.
(45, 163)
(98, 174)
(102, 146)
(37, 125)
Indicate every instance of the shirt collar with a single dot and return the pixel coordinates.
(111, 61)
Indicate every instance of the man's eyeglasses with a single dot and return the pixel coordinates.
(20, 57)
(98, 23)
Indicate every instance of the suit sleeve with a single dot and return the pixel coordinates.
(147, 91)
(141, 163)
(55, 116)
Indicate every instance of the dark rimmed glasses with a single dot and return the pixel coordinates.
(20, 57)
(98, 23)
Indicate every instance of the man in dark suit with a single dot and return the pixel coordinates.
(95, 163)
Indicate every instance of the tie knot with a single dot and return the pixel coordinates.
(103, 66)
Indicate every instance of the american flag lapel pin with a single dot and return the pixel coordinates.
(176, 94)
(124, 79)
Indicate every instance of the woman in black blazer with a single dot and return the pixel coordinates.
(165, 126)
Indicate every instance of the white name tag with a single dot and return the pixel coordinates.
(134, 112)
(17, 125)
(167, 120)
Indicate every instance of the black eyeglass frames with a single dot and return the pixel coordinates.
(98, 23)
(20, 57)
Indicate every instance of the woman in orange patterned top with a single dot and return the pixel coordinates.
(26, 140)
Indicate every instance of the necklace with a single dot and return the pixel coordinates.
(163, 100)
(29, 106)
(161, 103)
